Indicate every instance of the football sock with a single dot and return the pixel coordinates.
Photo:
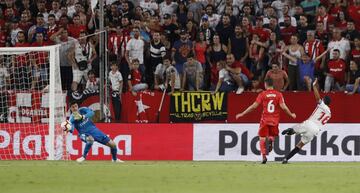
(263, 147)
(87, 148)
(113, 153)
(292, 153)
(271, 139)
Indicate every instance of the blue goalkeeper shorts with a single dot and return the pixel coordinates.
(97, 135)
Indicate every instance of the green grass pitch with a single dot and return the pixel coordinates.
(177, 177)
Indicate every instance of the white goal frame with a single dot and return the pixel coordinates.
(54, 59)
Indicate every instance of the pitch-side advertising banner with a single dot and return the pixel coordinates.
(134, 142)
(338, 142)
(198, 106)
(142, 142)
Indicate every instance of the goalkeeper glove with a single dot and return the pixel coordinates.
(78, 116)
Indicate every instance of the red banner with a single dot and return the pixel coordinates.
(23, 141)
(28, 107)
(301, 103)
(134, 141)
(143, 108)
(32, 107)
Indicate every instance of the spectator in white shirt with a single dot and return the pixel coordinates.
(285, 12)
(4, 75)
(340, 43)
(225, 83)
(149, 5)
(213, 18)
(116, 82)
(135, 50)
(92, 82)
(166, 76)
(167, 7)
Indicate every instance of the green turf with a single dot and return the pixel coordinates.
(177, 177)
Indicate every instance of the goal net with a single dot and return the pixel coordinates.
(32, 104)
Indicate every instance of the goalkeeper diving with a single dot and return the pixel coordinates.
(80, 120)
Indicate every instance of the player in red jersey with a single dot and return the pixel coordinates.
(271, 101)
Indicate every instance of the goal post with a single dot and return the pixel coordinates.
(30, 81)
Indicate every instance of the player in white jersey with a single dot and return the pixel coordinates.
(311, 127)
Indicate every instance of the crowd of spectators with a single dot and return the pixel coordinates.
(212, 45)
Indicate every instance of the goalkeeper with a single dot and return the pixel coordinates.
(88, 132)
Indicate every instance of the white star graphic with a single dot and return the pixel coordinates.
(141, 106)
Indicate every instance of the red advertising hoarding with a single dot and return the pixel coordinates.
(134, 141)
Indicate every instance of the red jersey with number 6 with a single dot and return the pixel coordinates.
(271, 100)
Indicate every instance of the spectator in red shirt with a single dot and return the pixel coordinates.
(24, 22)
(279, 77)
(3, 37)
(52, 26)
(75, 29)
(39, 40)
(134, 79)
(324, 17)
(263, 33)
(335, 77)
(246, 26)
(313, 48)
(238, 72)
(354, 13)
(341, 22)
(288, 30)
(335, 7)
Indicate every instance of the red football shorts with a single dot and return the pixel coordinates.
(268, 130)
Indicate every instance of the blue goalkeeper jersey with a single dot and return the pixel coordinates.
(85, 125)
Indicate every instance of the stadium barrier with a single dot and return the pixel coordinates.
(199, 142)
(29, 107)
(144, 108)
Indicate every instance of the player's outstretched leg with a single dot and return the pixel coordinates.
(293, 152)
(89, 142)
(288, 131)
(113, 150)
(263, 149)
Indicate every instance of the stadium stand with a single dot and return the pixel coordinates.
(257, 32)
